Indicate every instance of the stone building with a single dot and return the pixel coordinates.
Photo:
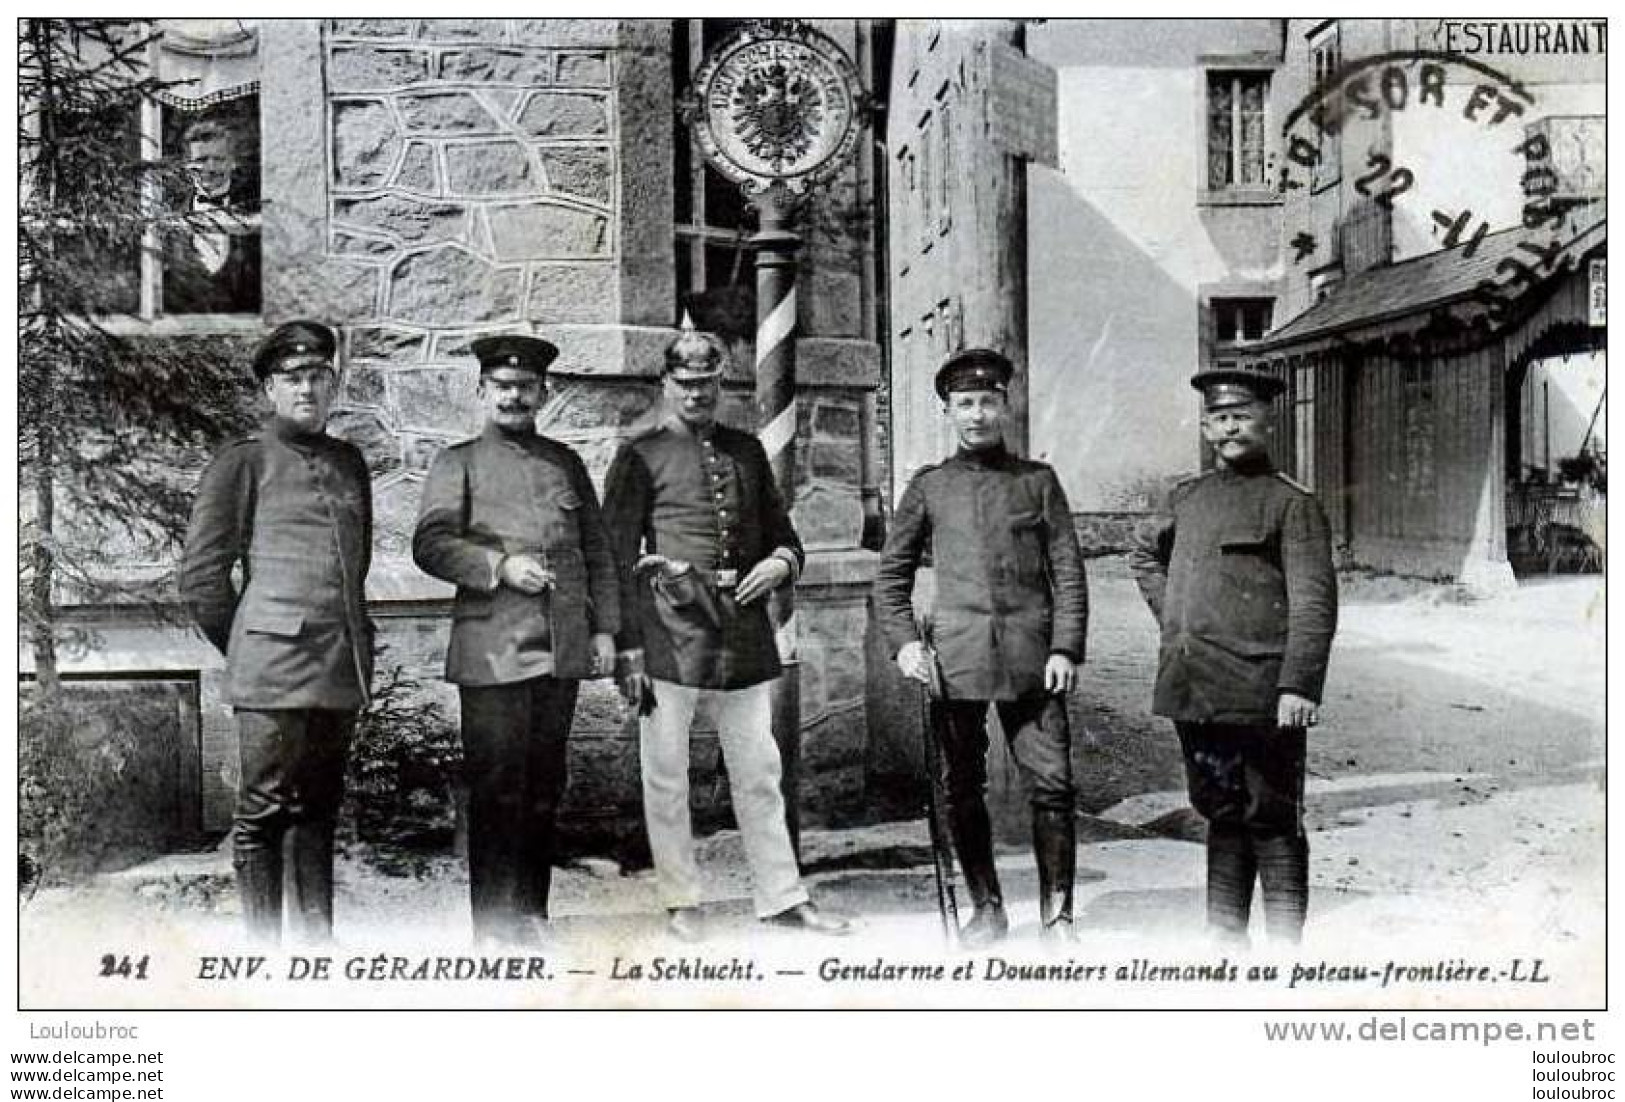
(424, 182)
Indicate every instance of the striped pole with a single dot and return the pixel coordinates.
(775, 247)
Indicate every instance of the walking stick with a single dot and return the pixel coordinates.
(934, 713)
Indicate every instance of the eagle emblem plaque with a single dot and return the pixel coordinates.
(776, 103)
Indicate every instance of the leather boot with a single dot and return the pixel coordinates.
(987, 925)
(310, 905)
(1055, 851)
(1283, 873)
(1231, 869)
(259, 893)
(973, 843)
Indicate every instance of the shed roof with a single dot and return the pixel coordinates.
(1418, 286)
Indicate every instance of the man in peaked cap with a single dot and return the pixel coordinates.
(511, 518)
(702, 537)
(1007, 631)
(1238, 572)
(292, 507)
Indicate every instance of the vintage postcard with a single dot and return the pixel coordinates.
(817, 513)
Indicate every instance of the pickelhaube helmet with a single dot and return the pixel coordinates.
(694, 355)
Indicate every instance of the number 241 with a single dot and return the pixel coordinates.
(123, 967)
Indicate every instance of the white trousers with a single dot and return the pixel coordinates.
(744, 727)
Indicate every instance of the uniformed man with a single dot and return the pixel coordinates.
(1007, 629)
(1239, 574)
(703, 537)
(511, 517)
(292, 507)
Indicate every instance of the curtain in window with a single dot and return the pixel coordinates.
(1220, 123)
(1252, 130)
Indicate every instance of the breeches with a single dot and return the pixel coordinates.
(1040, 741)
(291, 772)
(291, 779)
(1246, 775)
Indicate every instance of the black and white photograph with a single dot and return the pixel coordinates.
(812, 513)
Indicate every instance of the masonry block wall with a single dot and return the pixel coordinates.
(446, 179)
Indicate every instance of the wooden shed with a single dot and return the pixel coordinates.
(1404, 400)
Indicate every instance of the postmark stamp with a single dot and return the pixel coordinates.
(1351, 120)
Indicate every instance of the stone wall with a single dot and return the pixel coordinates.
(455, 178)
(430, 181)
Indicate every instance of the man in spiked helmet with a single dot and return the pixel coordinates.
(703, 537)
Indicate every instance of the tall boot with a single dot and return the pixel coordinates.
(1231, 869)
(259, 893)
(1055, 851)
(310, 853)
(973, 842)
(1283, 872)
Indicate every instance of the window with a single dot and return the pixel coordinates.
(1326, 58)
(1420, 419)
(716, 280)
(209, 249)
(200, 252)
(1324, 280)
(1236, 129)
(1303, 423)
(102, 272)
(1236, 323)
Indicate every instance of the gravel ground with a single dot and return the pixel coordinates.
(1456, 805)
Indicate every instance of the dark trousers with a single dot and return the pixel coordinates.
(1040, 741)
(1246, 780)
(291, 779)
(514, 739)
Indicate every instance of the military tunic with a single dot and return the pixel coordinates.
(1010, 578)
(1239, 574)
(704, 499)
(501, 494)
(708, 500)
(294, 510)
(1010, 592)
(516, 657)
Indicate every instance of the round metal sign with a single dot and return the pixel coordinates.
(776, 103)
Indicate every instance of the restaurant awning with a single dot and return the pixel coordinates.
(1447, 294)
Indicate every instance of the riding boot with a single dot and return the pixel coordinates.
(973, 842)
(1055, 851)
(1283, 873)
(310, 905)
(259, 893)
(1231, 869)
